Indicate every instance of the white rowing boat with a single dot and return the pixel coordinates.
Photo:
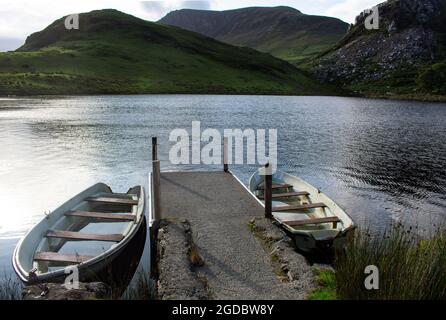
(310, 217)
(90, 231)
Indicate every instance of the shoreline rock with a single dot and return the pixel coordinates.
(292, 267)
(178, 263)
(57, 291)
(182, 269)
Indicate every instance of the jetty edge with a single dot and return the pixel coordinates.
(205, 243)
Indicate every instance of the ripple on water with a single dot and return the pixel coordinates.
(380, 160)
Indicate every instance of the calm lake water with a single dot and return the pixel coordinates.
(382, 161)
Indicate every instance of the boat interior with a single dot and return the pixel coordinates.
(96, 224)
(298, 210)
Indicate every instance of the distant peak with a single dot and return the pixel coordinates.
(286, 8)
(277, 8)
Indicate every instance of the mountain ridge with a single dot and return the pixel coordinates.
(117, 53)
(284, 32)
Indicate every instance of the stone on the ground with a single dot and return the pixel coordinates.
(294, 266)
(86, 291)
(177, 279)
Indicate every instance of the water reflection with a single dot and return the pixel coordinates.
(380, 160)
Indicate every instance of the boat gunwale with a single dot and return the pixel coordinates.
(300, 232)
(140, 214)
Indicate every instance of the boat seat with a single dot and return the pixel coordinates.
(61, 258)
(296, 223)
(78, 236)
(276, 186)
(112, 217)
(112, 200)
(299, 207)
(125, 195)
(287, 195)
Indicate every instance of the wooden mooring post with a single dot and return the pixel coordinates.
(156, 176)
(156, 185)
(154, 148)
(268, 192)
(226, 154)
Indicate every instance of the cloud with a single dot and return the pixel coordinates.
(347, 10)
(20, 18)
(10, 44)
(158, 9)
(161, 5)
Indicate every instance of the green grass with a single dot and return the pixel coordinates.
(117, 53)
(283, 32)
(326, 281)
(409, 268)
(299, 49)
(401, 81)
(422, 82)
(302, 49)
(433, 78)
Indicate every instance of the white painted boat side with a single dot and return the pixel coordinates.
(308, 237)
(34, 240)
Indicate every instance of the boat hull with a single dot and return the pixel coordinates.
(307, 243)
(306, 239)
(116, 270)
(114, 267)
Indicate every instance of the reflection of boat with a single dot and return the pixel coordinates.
(311, 218)
(92, 232)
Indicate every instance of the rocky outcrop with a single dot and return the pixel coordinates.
(185, 275)
(54, 291)
(293, 268)
(376, 56)
(406, 42)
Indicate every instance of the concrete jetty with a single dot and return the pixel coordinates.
(215, 213)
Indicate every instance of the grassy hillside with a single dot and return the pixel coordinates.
(281, 31)
(117, 53)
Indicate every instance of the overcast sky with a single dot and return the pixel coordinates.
(19, 18)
